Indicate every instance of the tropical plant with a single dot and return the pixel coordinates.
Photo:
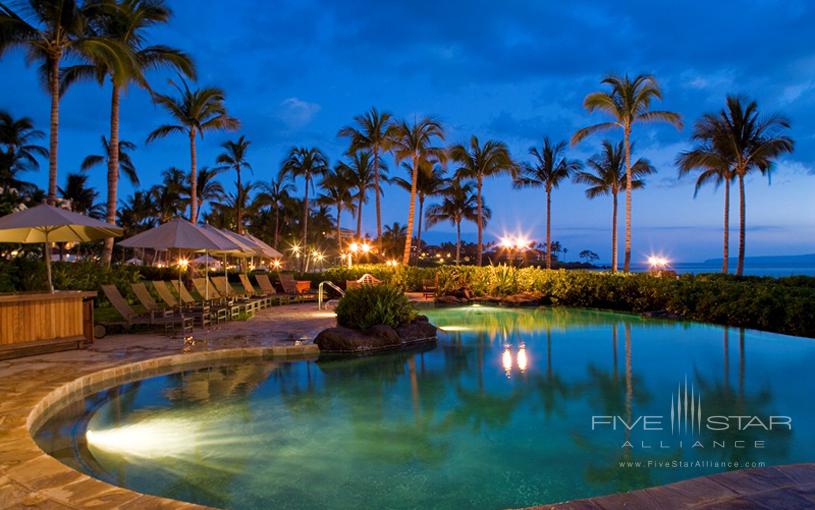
(478, 162)
(138, 213)
(747, 142)
(459, 203)
(126, 22)
(274, 193)
(307, 163)
(81, 196)
(373, 133)
(549, 168)
(336, 188)
(360, 174)
(415, 142)
(431, 183)
(628, 102)
(373, 305)
(124, 161)
(606, 176)
(18, 150)
(393, 238)
(195, 112)
(208, 189)
(168, 198)
(234, 158)
(48, 31)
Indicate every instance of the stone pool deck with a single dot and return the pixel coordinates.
(29, 387)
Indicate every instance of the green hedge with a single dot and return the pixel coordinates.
(405, 278)
(28, 274)
(371, 305)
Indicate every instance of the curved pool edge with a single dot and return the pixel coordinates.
(31, 477)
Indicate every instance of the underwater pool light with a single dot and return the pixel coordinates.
(149, 438)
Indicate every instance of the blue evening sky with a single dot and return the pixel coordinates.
(296, 72)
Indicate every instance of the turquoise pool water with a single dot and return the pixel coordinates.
(513, 407)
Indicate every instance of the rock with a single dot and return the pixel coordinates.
(376, 338)
(523, 299)
(450, 300)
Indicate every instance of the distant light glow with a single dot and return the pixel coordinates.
(658, 262)
(455, 328)
(522, 359)
(506, 360)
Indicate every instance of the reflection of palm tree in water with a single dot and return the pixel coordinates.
(552, 389)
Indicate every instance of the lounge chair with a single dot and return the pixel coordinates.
(131, 318)
(429, 287)
(147, 301)
(211, 295)
(201, 313)
(219, 313)
(249, 305)
(289, 285)
(250, 291)
(268, 289)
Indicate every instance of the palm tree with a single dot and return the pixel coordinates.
(126, 22)
(18, 149)
(549, 168)
(414, 142)
(393, 237)
(138, 213)
(606, 176)
(746, 142)
(628, 102)
(458, 204)
(208, 189)
(373, 133)
(81, 196)
(234, 158)
(168, 197)
(431, 183)
(477, 163)
(336, 188)
(274, 193)
(55, 29)
(714, 166)
(124, 161)
(360, 174)
(195, 112)
(308, 163)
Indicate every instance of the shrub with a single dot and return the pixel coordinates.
(405, 278)
(371, 305)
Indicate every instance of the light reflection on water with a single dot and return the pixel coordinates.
(497, 415)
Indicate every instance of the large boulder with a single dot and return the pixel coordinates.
(377, 338)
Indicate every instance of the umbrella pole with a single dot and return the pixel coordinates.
(206, 274)
(48, 263)
(226, 277)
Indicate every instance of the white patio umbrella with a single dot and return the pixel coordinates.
(179, 234)
(268, 251)
(48, 224)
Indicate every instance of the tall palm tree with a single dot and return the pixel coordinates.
(308, 163)
(337, 188)
(431, 183)
(606, 176)
(415, 142)
(18, 149)
(714, 166)
(748, 143)
(48, 31)
(360, 174)
(81, 196)
(373, 133)
(127, 23)
(549, 168)
(274, 193)
(234, 158)
(195, 112)
(628, 102)
(477, 163)
(459, 203)
(124, 161)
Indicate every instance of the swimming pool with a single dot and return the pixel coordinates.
(513, 407)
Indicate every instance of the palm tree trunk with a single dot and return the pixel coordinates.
(339, 228)
(458, 241)
(548, 229)
(419, 230)
(193, 179)
(359, 213)
(277, 224)
(238, 212)
(627, 261)
(742, 222)
(614, 233)
(480, 221)
(113, 171)
(305, 215)
(411, 209)
(378, 200)
(54, 134)
(726, 253)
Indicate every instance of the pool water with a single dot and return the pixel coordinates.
(512, 407)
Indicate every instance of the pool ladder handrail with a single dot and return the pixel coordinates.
(320, 292)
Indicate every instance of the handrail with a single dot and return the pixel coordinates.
(320, 292)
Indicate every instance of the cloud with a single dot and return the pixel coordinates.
(297, 113)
